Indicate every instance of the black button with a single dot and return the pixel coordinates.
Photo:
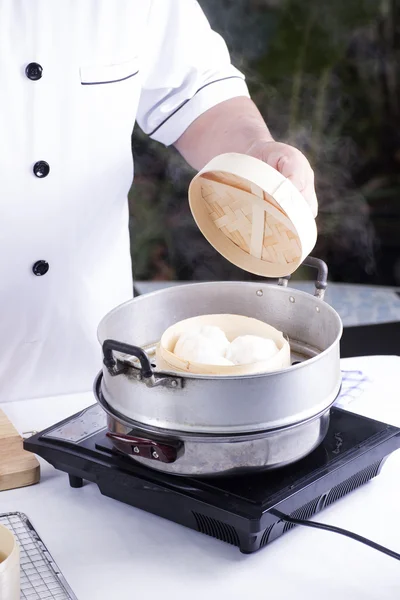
(34, 71)
(41, 168)
(40, 268)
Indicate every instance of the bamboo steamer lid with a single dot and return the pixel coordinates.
(252, 215)
(233, 326)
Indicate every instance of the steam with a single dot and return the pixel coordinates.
(303, 108)
(307, 113)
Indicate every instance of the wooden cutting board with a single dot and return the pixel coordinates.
(18, 468)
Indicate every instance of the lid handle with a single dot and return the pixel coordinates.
(322, 275)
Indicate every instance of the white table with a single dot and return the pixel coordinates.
(108, 550)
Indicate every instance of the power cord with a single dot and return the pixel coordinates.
(345, 532)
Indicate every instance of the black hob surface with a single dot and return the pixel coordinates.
(242, 510)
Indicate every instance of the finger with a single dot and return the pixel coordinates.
(296, 167)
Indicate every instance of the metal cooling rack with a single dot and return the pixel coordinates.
(41, 579)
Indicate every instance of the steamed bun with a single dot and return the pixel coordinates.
(221, 361)
(206, 345)
(209, 345)
(216, 336)
(248, 349)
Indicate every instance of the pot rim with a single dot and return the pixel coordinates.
(283, 290)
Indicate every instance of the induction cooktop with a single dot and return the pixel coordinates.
(244, 510)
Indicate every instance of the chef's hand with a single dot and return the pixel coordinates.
(291, 163)
(236, 125)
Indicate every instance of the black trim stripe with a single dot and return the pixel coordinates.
(111, 81)
(189, 99)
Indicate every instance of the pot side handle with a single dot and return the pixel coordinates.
(166, 452)
(110, 362)
(322, 275)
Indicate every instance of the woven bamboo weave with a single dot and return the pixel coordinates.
(251, 220)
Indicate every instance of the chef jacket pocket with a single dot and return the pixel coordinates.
(113, 73)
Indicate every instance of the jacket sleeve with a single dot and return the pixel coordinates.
(186, 70)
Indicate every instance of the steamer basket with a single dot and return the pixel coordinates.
(233, 326)
(185, 418)
(154, 396)
(252, 215)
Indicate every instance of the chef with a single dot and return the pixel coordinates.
(75, 76)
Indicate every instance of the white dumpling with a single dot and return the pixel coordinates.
(206, 345)
(217, 336)
(221, 361)
(248, 349)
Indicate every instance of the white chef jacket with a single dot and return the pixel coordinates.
(74, 77)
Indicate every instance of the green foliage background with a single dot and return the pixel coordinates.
(325, 75)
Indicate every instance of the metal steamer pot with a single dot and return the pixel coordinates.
(201, 425)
